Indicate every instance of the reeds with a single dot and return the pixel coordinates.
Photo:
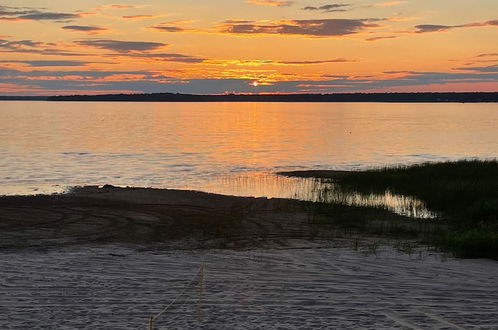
(464, 193)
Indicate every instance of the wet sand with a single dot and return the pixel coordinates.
(176, 219)
(110, 258)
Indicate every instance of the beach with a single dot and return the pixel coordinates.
(108, 257)
(173, 218)
(117, 287)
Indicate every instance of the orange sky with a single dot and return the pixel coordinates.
(201, 46)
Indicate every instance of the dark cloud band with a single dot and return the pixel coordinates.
(121, 46)
(21, 14)
(84, 28)
(314, 27)
(329, 8)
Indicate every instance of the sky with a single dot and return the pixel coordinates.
(247, 46)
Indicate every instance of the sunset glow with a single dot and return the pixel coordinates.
(91, 47)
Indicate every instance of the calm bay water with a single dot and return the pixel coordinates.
(229, 148)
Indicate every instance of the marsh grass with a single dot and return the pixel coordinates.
(464, 193)
(467, 189)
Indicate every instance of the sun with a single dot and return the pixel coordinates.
(255, 83)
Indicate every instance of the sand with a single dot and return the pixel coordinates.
(115, 287)
(176, 219)
(111, 258)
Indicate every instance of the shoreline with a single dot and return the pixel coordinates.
(178, 219)
(113, 257)
(174, 218)
(460, 221)
(413, 97)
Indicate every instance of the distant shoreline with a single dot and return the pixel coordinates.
(469, 97)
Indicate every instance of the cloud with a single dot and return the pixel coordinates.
(275, 3)
(54, 63)
(489, 69)
(167, 57)
(21, 43)
(137, 17)
(22, 14)
(174, 26)
(33, 47)
(120, 6)
(385, 4)
(380, 38)
(256, 63)
(488, 55)
(121, 46)
(332, 7)
(130, 49)
(389, 3)
(406, 80)
(49, 16)
(313, 27)
(426, 28)
(85, 29)
(37, 48)
(84, 80)
(153, 81)
(167, 28)
(335, 60)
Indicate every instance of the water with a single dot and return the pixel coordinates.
(307, 189)
(230, 148)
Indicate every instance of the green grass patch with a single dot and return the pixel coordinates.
(464, 192)
(467, 189)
